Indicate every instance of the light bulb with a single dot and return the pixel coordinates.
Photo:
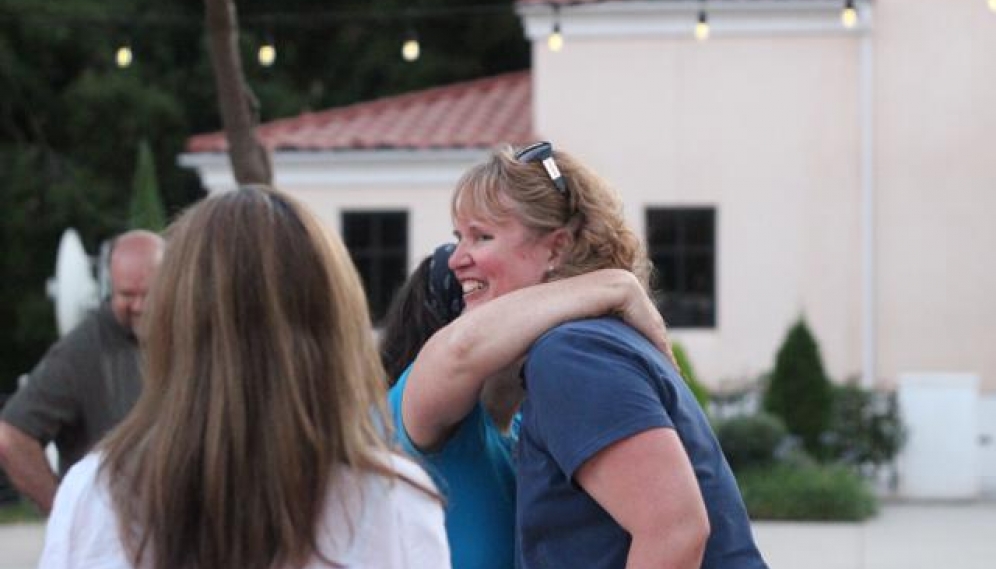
(992, 5)
(267, 54)
(123, 56)
(849, 16)
(556, 40)
(410, 50)
(702, 27)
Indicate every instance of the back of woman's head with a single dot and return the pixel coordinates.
(261, 379)
(430, 299)
(588, 208)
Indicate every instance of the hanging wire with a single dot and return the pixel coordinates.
(73, 15)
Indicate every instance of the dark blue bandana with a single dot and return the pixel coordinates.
(445, 293)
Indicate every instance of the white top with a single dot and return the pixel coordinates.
(396, 525)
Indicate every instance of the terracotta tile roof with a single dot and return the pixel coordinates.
(693, 3)
(472, 114)
(562, 2)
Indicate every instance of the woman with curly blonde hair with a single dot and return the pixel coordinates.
(617, 464)
(258, 441)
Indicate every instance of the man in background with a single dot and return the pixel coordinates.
(86, 383)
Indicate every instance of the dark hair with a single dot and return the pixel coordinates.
(430, 299)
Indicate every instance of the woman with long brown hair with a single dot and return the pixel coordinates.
(258, 441)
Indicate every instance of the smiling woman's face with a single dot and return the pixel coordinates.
(493, 258)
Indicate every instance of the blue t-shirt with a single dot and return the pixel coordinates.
(475, 473)
(589, 384)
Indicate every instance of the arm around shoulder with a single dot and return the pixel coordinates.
(450, 371)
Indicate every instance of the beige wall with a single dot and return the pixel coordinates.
(332, 183)
(428, 211)
(766, 131)
(936, 177)
(767, 126)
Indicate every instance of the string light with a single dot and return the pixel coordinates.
(267, 53)
(123, 56)
(410, 49)
(702, 26)
(849, 16)
(555, 41)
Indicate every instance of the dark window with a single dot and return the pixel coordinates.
(682, 245)
(378, 243)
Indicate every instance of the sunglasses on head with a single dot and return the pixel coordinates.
(542, 152)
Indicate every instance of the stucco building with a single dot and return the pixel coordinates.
(786, 166)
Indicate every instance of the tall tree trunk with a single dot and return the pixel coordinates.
(239, 107)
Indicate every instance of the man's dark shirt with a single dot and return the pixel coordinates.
(86, 383)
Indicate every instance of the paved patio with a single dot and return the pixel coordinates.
(903, 536)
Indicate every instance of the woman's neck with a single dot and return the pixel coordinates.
(502, 394)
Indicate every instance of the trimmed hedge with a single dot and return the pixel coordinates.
(806, 492)
(750, 440)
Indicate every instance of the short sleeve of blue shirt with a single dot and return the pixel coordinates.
(590, 384)
(597, 381)
(475, 472)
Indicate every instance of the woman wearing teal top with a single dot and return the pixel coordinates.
(455, 408)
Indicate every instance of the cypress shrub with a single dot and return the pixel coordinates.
(688, 372)
(799, 391)
(146, 208)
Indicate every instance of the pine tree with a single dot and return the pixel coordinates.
(799, 391)
(146, 210)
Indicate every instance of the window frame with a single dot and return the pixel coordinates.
(376, 260)
(674, 304)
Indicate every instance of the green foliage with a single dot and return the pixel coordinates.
(799, 391)
(146, 211)
(865, 427)
(69, 115)
(800, 492)
(750, 440)
(688, 372)
(18, 513)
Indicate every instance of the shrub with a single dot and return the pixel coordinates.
(799, 391)
(750, 440)
(799, 492)
(865, 427)
(18, 512)
(688, 372)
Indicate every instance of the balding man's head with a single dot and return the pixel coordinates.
(134, 261)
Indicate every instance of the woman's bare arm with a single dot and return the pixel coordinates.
(450, 371)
